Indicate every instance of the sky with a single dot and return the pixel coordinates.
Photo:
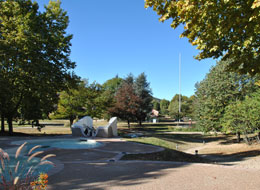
(118, 37)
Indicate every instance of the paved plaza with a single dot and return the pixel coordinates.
(101, 169)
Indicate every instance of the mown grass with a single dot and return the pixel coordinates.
(167, 155)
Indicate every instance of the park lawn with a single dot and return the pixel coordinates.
(167, 155)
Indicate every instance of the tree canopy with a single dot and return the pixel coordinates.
(133, 99)
(34, 56)
(143, 91)
(126, 103)
(243, 116)
(218, 90)
(229, 29)
(186, 107)
(164, 104)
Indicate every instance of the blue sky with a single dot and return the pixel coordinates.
(121, 37)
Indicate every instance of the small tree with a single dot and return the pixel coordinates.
(143, 91)
(243, 116)
(186, 107)
(71, 103)
(126, 103)
(164, 104)
(156, 104)
(110, 88)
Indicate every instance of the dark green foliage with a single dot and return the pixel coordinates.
(133, 100)
(34, 57)
(164, 104)
(156, 104)
(80, 100)
(143, 91)
(218, 90)
(243, 116)
(110, 87)
(186, 107)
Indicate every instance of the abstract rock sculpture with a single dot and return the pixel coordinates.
(84, 128)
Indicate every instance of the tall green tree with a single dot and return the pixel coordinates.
(96, 102)
(164, 104)
(216, 92)
(227, 29)
(112, 85)
(243, 116)
(143, 91)
(110, 88)
(186, 107)
(156, 104)
(71, 102)
(80, 100)
(34, 54)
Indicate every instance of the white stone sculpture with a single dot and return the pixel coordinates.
(108, 131)
(83, 127)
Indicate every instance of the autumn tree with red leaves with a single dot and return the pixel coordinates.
(126, 103)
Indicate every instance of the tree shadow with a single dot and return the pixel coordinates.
(191, 138)
(99, 176)
(89, 172)
(235, 157)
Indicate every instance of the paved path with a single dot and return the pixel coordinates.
(153, 175)
(99, 169)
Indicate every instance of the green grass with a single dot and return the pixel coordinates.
(167, 155)
(154, 141)
(162, 135)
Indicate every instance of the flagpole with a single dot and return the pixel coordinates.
(179, 87)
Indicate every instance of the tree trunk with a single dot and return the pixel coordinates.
(140, 122)
(258, 137)
(238, 137)
(71, 121)
(10, 125)
(247, 141)
(2, 124)
(128, 124)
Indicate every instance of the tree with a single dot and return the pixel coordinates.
(112, 85)
(226, 29)
(143, 91)
(110, 88)
(164, 104)
(218, 90)
(127, 103)
(156, 104)
(243, 116)
(185, 107)
(71, 103)
(80, 100)
(96, 103)
(34, 55)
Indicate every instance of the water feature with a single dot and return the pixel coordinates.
(60, 143)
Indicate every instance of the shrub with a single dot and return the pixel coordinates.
(18, 175)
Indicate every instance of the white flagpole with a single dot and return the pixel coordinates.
(179, 87)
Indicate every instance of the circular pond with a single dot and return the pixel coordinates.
(60, 143)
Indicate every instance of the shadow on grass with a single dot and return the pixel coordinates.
(167, 155)
(235, 157)
(126, 173)
(19, 134)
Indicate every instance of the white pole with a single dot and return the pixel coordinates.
(179, 87)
